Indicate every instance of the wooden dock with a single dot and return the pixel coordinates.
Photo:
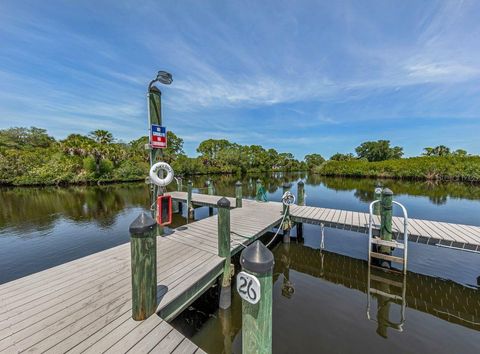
(421, 231)
(85, 305)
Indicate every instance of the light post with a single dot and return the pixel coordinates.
(154, 104)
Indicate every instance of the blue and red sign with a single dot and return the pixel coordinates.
(158, 138)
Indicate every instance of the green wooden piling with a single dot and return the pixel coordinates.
(143, 244)
(257, 190)
(238, 194)
(210, 192)
(223, 206)
(300, 201)
(190, 210)
(386, 219)
(287, 225)
(301, 193)
(258, 261)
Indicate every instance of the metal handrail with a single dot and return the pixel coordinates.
(405, 233)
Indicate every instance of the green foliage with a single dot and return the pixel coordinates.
(379, 151)
(442, 150)
(19, 138)
(30, 156)
(342, 157)
(452, 168)
(313, 160)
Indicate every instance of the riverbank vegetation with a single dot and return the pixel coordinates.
(29, 156)
(379, 160)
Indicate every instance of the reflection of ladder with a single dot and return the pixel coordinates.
(394, 243)
(386, 296)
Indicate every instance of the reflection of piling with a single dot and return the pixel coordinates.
(143, 243)
(258, 186)
(301, 202)
(210, 192)
(383, 310)
(238, 194)
(287, 225)
(224, 251)
(225, 317)
(257, 260)
(287, 287)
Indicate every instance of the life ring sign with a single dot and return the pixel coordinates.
(161, 182)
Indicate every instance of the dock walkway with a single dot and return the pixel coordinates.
(85, 305)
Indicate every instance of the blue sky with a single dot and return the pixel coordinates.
(298, 76)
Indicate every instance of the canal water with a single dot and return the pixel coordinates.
(320, 296)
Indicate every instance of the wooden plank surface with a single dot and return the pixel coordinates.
(425, 231)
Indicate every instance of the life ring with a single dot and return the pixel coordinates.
(162, 182)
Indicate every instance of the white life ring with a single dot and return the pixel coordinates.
(162, 182)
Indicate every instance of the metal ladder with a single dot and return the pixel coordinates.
(394, 243)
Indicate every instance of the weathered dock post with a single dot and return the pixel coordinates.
(224, 251)
(190, 210)
(255, 288)
(238, 194)
(386, 219)
(287, 225)
(210, 192)
(258, 186)
(143, 244)
(301, 202)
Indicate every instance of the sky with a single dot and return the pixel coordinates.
(298, 76)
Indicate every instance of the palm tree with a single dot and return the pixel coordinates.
(101, 136)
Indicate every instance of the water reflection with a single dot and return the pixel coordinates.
(441, 298)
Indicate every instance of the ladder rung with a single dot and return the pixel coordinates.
(386, 281)
(382, 293)
(387, 257)
(395, 244)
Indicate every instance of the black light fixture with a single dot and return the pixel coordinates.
(163, 77)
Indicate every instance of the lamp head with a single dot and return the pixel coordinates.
(164, 77)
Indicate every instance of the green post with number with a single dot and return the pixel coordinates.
(257, 262)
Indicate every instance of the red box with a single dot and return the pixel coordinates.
(164, 210)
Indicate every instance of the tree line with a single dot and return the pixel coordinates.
(30, 156)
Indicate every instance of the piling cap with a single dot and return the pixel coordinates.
(238, 184)
(287, 185)
(301, 183)
(223, 203)
(257, 258)
(142, 224)
(387, 191)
